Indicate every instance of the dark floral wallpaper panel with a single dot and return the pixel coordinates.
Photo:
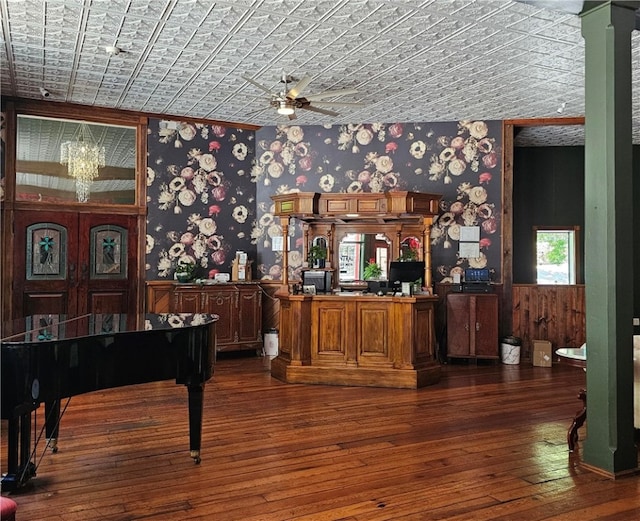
(209, 187)
(460, 160)
(200, 197)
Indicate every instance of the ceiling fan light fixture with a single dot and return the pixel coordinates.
(113, 50)
(285, 108)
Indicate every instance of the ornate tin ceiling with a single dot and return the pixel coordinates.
(410, 60)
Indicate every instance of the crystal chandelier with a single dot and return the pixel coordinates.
(83, 157)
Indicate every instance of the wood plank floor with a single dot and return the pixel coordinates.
(488, 443)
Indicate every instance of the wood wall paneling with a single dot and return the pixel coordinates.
(555, 313)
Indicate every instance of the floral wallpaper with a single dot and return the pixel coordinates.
(460, 160)
(200, 197)
(209, 187)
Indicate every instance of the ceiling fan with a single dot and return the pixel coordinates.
(288, 100)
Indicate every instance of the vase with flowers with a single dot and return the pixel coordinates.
(409, 248)
(184, 271)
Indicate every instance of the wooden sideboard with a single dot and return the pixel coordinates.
(364, 340)
(238, 304)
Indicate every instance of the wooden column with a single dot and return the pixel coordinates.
(284, 288)
(426, 251)
(609, 264)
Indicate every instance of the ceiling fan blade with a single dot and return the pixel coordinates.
(329, 93)
(337, 104)
(295, 91)
(321, 111)
(262, 87)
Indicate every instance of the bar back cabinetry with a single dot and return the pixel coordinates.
(343, 338)
(239, 306)
(472, 325)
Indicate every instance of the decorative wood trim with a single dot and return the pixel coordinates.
(15, 106)
(544, 122)
(74, 111)
(389, 205)
(300, 204)
(507, 225)
(349, 212)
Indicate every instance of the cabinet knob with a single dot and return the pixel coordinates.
(466, 327)
(477, 326)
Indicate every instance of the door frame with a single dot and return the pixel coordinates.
(509, 127)
(11, 108)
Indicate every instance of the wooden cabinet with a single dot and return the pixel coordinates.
(239, 306)
(472, 326)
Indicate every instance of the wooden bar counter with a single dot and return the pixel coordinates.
(359, 340)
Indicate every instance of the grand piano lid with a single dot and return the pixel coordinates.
(53, 327)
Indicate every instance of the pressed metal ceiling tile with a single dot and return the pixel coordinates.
(150, 9)
(492, 59)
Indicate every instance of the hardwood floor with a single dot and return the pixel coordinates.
(488, 443)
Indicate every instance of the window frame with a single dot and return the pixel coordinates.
(574, 257)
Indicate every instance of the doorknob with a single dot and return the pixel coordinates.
(83, 272)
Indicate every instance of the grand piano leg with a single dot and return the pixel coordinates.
(20, 468)
(196, 402)
(52, 423)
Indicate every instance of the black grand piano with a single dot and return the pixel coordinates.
(47, 358)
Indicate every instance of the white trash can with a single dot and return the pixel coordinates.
(271, 343)
(510, 350)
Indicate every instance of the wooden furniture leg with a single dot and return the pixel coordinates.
(578, 421)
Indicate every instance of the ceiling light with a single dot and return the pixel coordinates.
(561, 108)
(112, 50)
(83, 157)
(285, 108)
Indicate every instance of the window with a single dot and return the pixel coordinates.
(43, 176)
(556, 252)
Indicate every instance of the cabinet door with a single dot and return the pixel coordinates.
(222, 302)
(187, 301)
(249, 317)
(486, 326)
(458, 334)
(159, 297)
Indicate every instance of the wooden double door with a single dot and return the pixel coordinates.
(472, 325)
(74, 263)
